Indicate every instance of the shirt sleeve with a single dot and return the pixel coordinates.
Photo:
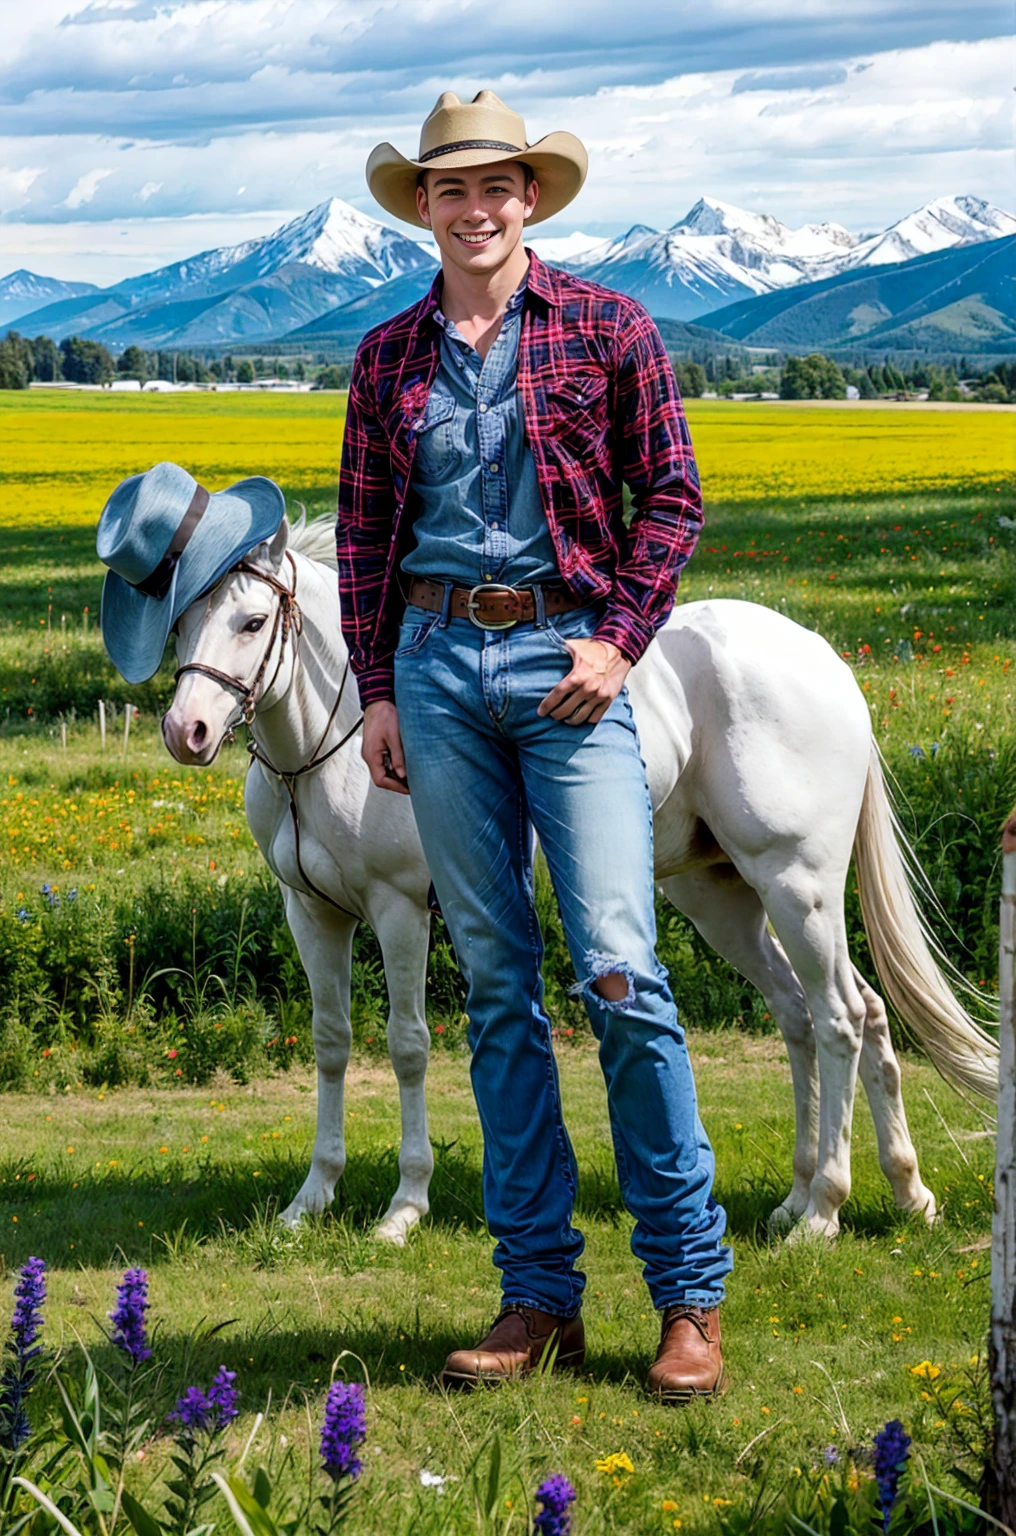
(658, 465)
(363, 534)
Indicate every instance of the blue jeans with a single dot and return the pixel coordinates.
(482, 767)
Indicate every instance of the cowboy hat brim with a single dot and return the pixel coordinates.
(135, 627)
(559, 162)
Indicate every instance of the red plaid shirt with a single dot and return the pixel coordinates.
(601, 407)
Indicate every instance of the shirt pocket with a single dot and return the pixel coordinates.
(578, 412)
(438, 456)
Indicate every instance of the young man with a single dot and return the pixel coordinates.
(489, 430)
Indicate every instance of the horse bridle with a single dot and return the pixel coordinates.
(287, 617)
(288, 620)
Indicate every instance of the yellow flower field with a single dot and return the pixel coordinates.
(64, 452)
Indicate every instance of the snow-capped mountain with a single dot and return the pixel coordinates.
(22, 291)
(718, 254)
(938, 226)
(336, 256)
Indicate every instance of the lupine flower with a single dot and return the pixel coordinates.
(193, 1410)
(892, 1449)
(222, 1397)
(128, 1316)
(343, 1429)
(555, 1495)
(18, 1375)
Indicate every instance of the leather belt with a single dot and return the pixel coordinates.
(490, 606)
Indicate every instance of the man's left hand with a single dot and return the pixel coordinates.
(585, 695)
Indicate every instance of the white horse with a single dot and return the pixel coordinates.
(764, 779)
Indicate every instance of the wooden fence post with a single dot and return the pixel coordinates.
(1002, 1351)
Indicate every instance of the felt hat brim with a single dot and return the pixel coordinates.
(559, 163)
(135, 627)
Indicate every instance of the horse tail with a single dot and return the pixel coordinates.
(904, 949)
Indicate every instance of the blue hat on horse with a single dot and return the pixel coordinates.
(166, 540)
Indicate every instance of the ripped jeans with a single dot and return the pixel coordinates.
(483, 770)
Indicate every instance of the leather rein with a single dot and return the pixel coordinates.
(288, 623)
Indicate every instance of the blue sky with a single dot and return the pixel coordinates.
(134, 132)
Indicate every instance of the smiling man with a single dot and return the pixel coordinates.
(493, 600)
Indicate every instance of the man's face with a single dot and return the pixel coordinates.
(477, 214)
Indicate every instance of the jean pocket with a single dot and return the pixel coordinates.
(578, 624)
(438, 454)
(414, 631)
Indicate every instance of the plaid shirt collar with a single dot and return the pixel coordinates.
(540, 279)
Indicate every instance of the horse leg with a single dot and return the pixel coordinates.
(324, 939)
(880, 1075)
(403, 930)
(806, 909)
(730, 917)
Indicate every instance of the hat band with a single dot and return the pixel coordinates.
(452, 149)
(159, 581)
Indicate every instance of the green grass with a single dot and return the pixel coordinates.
(880, 529)
(185, 1182)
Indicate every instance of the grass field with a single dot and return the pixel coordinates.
(824, 1344)
(889, 531)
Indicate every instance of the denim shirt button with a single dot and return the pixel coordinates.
(494, 468)
(483, 405)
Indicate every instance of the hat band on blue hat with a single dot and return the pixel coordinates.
(158, 582)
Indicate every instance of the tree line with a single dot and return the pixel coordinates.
(816, 377)
(76, 360)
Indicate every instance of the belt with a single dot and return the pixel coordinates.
(491, 606)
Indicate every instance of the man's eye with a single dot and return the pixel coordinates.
(253, 625)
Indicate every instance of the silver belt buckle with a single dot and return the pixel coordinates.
(487, 587)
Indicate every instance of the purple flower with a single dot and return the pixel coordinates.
(343, 1429)
(555, 1494)
(128, 1316)
(19, 1374)
(892, 1449)
(830, 1455)
(193, 1410)
(222, 1397)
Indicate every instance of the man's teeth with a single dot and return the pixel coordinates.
(478, 239)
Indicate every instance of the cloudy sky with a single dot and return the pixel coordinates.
(135, 132)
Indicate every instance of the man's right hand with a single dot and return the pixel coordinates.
(382, 747)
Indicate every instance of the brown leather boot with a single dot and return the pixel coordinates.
(518, 1341)
(688, 1362)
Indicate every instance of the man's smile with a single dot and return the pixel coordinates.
(482, 238)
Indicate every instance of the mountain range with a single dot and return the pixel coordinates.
(331, 274)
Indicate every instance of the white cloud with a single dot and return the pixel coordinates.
(85, 188)
(149, 190)
(15, 185)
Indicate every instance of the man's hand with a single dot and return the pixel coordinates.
(382, 747)
(585, 695)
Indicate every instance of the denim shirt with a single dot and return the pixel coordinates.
(477, 512)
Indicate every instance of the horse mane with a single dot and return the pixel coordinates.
(315, 539)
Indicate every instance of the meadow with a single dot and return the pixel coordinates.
(154, 1023)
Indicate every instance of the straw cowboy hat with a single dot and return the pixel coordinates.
(478, 132)
(166, 540)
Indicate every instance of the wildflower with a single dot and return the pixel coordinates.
(892, 1450)
(830, 1456)
(23, 915)
(617, 1461)
(343, 1429)
(193, 1410)
(555, 1495)
(128, 1316)
(19, 1372)
(917, 752)
(222, 1397)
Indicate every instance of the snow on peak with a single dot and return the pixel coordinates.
(335, 237)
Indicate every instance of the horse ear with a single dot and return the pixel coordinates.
(278, 545)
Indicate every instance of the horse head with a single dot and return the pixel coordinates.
(232, 652)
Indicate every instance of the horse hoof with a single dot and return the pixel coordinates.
(925, 1205)
(397, 1225)
(783, 1218)
(815, 1228)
